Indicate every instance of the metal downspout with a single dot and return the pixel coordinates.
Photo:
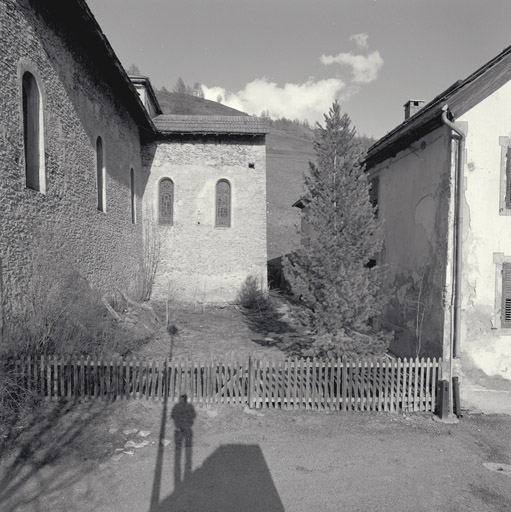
(458, 228)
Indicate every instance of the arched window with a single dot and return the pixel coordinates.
(223, 204)
(133, 197)
(33, 134)
(100, 175)
(166, 202)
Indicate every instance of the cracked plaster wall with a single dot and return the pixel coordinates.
(485, 347)
(414, 203)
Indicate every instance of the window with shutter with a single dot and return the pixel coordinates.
(223, 204)
(166, 202)
(506, 295)
(508, 178)
(373, 194)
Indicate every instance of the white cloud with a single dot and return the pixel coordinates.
(308, 100)
(365, 69)
(360, 39)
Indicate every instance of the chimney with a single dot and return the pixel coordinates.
(412, 106)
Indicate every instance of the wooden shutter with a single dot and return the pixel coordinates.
(506, 295)
(508, 178)
(373, 194)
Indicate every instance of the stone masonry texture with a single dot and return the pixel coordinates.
(78, 106)
(200, 262)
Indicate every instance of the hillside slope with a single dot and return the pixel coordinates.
(288, 152)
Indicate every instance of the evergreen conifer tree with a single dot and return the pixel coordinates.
(330, 272)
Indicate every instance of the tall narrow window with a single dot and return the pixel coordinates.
(223, 204)
(100, 175)
(166, 202)
(133, 197)
(506, 295)
(32, 134)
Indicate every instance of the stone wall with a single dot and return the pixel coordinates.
(78, 106)
(201, 262)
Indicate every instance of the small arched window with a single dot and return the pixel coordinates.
(223, 204)
(100, 175)
(33, 134)
(133, 196)
(166, 202)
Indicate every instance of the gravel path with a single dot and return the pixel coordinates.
(272, 460)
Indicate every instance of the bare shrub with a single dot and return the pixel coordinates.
(15, 399)
(59, 312)
(152, 255)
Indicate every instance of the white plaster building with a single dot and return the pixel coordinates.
(443, 181)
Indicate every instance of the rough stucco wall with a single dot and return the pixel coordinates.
(105, 247)
(203, 263)
(485, 347)
(413, 200)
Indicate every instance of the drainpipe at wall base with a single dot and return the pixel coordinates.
(454, 338)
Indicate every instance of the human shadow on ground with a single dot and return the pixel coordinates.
(234, 477)
(183, 414)
(31, 449)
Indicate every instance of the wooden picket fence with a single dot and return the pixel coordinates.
(369, 384)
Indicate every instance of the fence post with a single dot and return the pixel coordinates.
(250, 382)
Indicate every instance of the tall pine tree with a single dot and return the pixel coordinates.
(330, 271)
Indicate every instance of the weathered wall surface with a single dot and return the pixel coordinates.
(78, 106)
(199, 261)
(485, 347)
(414, 195)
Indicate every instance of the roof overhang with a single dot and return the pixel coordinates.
(459, 98)
(73, 20)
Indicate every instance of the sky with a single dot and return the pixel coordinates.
(293, 58)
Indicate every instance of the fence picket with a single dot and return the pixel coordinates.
(362, 384)
(410, 384)
(435, 378)
(398, 386)
(428, 381)
(416, 387)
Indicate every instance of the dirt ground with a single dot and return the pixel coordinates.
(216, 331)
(244, 460)
(125, 456)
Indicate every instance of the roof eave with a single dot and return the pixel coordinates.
(460, 97)
(139, 112)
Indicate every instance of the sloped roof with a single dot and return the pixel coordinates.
(459, 97)
(199, 124)
(75, 22)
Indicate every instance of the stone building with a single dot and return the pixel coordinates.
(443, 182)
(213, 227)
(90, 169)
